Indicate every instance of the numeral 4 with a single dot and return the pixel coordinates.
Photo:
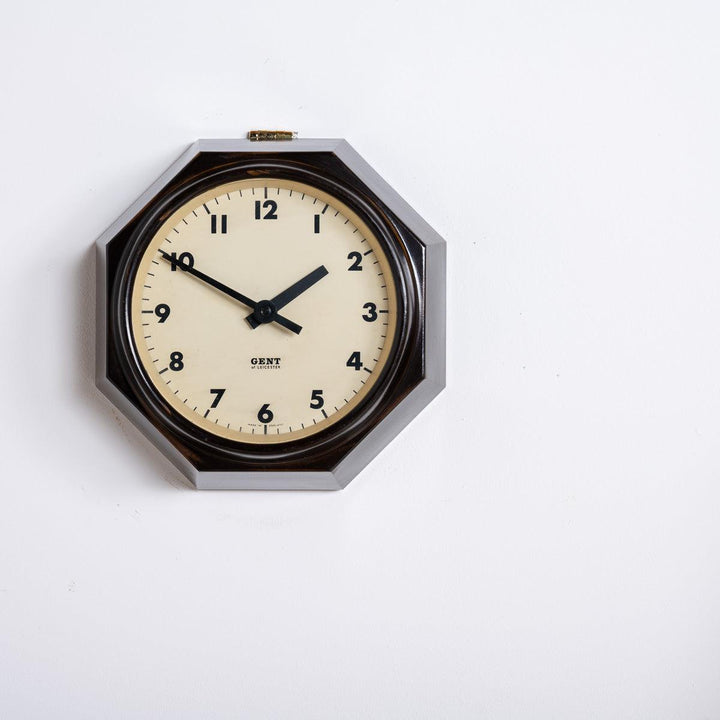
(354, 360)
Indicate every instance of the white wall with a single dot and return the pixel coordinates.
(543, 542)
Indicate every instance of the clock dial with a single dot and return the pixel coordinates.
(263, 310)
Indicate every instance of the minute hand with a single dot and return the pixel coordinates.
(287, 296)
(244, 299)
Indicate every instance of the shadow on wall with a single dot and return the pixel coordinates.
(84, 303)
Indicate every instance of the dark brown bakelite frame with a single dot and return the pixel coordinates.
(330, 458)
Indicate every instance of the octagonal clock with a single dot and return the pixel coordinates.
(270, 313)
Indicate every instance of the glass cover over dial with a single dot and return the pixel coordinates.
(263, 310)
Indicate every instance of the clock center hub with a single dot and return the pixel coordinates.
(265, 311)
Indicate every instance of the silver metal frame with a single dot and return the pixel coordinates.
(372, 444)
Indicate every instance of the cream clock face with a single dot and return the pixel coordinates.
(263, 310)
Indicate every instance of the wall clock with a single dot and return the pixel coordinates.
(270, 313)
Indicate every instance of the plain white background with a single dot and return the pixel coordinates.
(543, 541)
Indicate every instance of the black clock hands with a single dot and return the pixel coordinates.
(266, 308)
(287, 296)
(257, 307)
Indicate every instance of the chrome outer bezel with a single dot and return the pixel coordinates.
(433, 332)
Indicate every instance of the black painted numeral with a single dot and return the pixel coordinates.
(317, 224)
(176, 361)
(162, 311)
(218, 396)
(316, 399)
(214, 224)
(270, 206)
(354, 361)
(265, 415)
(356, 257)
(371, 312)
(183, 261)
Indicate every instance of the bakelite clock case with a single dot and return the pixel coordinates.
(413, 375)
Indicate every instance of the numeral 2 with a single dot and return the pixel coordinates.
(356, 257)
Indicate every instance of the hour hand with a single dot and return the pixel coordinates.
(286, 296)
(279, 319)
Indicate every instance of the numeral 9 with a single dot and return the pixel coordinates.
(162, 311)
